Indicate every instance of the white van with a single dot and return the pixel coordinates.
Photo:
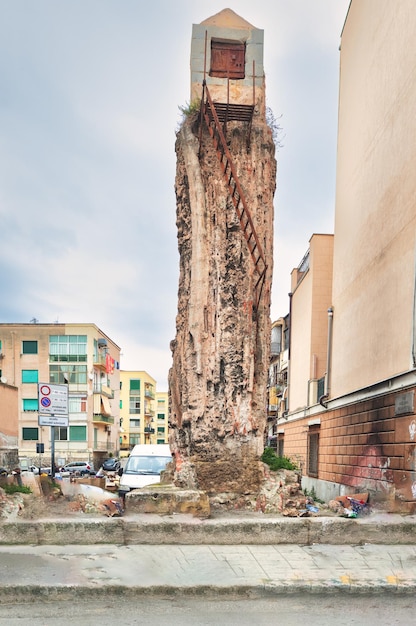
(143, 466)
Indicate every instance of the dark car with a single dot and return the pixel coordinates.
(111, 465)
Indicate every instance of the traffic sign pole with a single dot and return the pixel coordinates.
(53, 452)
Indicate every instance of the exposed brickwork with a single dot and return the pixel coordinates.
(363, 446)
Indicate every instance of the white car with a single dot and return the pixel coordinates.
(79, 468)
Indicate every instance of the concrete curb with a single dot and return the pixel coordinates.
(16, 594)
(186, 530)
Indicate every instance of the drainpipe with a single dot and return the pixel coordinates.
(414, 319)
(323, 400)
(288, 352)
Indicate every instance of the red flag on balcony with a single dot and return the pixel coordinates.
(109, 364)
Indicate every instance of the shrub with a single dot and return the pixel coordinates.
(12, 488)
(277, 462)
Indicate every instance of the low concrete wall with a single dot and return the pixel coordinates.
(187, 530)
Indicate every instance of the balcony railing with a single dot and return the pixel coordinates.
(99, 360)
(99, 418)
(103, 390)
(103, 446)
(148, 393)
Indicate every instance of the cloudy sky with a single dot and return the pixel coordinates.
(89, 97)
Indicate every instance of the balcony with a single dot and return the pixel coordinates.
(99, 418)
(148, 412)
(100, 361)
(103, 446)
(104, 390)
(148, 393)
(149, 431)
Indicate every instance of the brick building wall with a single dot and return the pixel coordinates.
(363, 447)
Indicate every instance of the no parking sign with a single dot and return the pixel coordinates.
(53, 399)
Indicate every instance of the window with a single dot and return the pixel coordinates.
(227, 58)
(134, 423)
(29, 376)
(68, 348)
(30, 404)
(134, 440)
(276, 346)
(161, 429)
(160, 441)
(161, 416)
(77, 404)
(72, 374)
(61, 433)
(280, 445)
(30, 434)
(313, 450)
(321, 388)
(78, 433)
(135, 384)
(29, 347)
(134, 404)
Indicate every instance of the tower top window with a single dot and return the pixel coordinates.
(227, 58)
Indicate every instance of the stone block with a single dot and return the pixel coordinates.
(166, 500)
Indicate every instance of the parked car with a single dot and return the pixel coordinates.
(80, 468)
(144, 466)
(111, 465)
(43, 470)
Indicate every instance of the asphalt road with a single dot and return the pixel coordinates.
(291, 610)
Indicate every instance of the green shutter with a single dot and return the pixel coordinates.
(29, 376)
(78, 433)
(30, 434)
(29, 347)
(135, 383)
(30, 404)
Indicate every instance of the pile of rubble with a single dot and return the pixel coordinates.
(281, 494)
(49, 498)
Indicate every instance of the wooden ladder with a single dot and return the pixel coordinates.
(209, 114)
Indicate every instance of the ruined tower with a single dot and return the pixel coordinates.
(225, 183)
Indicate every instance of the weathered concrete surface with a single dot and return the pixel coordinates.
(113, 572)
(218, 379)
(167, 499)
(227, 530)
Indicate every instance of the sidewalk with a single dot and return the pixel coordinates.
(227, 555)
(65, 572)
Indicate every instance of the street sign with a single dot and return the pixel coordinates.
(53, 399)
(53, 420)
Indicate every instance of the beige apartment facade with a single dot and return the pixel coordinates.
(311, 294)
(361, 434)
(9, 423)
(79, 357)
(144, 411)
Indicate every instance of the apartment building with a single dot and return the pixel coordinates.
(143, 410)
(162, 417)
(360, 435)
(9, 423)
(84, 359)
(277, 383)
